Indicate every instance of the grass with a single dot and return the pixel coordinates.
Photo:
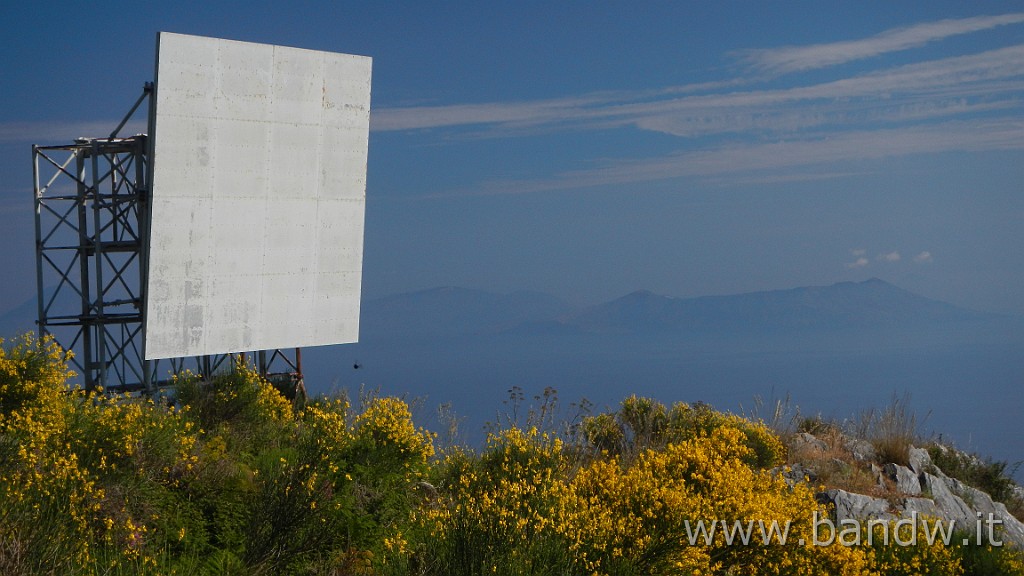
(892, 431)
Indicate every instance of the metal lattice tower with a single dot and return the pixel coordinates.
(91, 216)
(88, 199)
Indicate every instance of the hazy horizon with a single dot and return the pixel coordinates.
(468, 347)
(584, 304)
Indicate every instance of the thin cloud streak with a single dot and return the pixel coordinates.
(801, 58)
(752, 159)
(763, 179)
(890, 95)
(526, 112)
(930, 85)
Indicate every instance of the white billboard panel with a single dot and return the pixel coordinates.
(258, 197)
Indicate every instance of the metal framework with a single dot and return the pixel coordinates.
(88, 198)
(92, 204)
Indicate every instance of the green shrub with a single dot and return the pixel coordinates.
(985, 560)
(989, 476)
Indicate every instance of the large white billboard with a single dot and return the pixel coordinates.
(258, 197)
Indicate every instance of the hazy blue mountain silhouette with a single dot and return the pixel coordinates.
(452, 311)
(843, 306)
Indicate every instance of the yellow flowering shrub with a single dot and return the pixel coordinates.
(237, 481)
(61, 487)
(41, 477)
(892, 559)
(642, 516)
(32, 373)
(495, 514)
(988, 559)
(241, 398)
(642, 423)
(324, 433)
(386, 423)
(531, 504)
(386, 457)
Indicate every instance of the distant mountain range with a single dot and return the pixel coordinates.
(872, 304)
(452, 313)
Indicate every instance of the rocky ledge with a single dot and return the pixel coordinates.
(898, 492)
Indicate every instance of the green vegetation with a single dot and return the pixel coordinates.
(987, 475)
(237, 480)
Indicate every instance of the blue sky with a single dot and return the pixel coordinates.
(591, 149)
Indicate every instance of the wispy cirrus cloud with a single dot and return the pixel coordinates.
(1005, 133)
(945, 87)
(948, 87)
(799, 58)
(420, 117)
(731, 130)
(533, 112)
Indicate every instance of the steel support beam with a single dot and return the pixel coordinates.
(92, 222)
